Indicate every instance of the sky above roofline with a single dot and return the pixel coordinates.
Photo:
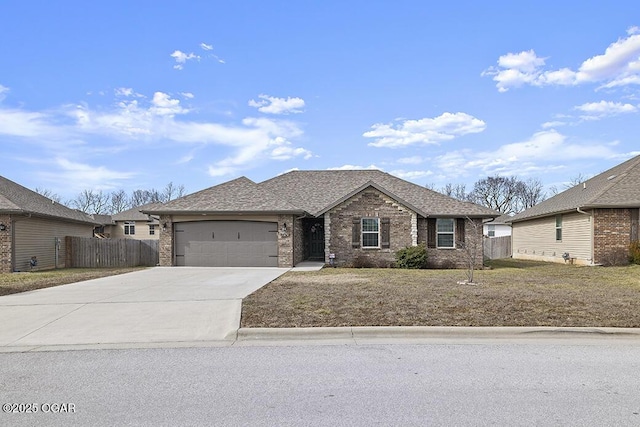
(133, 95)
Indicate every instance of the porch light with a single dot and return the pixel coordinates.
(164, 226)
(2, 227)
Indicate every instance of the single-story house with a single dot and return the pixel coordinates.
(133, 224)
(32, 225)
(356, 217)
(592, 223)
(498, 227)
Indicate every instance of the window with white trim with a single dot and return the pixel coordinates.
(370, 232)
(130, 227)
(152, 229)
(558, 228)
(445, 234)
(491, 232)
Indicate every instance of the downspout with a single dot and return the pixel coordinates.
(592, 237)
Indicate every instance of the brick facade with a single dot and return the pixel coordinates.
(374, 204)
(459, 257)
(285, 240)
(611, 236)
(5, 245)
(166, 241)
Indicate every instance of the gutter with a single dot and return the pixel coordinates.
(583, 212)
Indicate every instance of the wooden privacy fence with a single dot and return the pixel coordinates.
(91, 252)
(497, 247)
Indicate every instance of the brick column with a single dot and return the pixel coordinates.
(5, 244)
(166, 241)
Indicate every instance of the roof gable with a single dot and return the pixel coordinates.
(616, 187)
(14, 198)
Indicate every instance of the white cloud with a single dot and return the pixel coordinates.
(526, 157)
(413, 160)
(619, 65)
(3, 92)
(411, 175)
(599, 110)
(424, 131)
(181, 58)
(273, 105)
(205, 46)
(187, 95)
(79, 176)
(553, 124)
(353, 167)
(127, 92)
(163, 105)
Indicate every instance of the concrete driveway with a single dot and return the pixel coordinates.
(153, 306)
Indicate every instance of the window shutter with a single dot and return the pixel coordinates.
(385, 232)
(460, 232)
(635, 223)
(355, 233)
(431, 232)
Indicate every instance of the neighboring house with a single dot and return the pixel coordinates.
(497, 227)
(133, 224)
(592, 223)
(358, 217)
(32, 225)
(103, 229)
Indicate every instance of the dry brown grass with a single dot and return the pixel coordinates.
(11, 283)
(513, 293)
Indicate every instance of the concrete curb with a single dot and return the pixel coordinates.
(427, 332)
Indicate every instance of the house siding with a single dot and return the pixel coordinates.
(368, 203)
(536, 239)
(6, 244)
(37, 237)
(142, 231)
(612, 236)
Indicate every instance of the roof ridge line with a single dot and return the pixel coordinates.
(614, 180)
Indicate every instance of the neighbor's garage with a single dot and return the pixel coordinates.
(226, 244)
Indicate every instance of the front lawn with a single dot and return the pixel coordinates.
(513, 293)
(11, 283)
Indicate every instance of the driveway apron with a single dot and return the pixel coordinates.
(157, 305)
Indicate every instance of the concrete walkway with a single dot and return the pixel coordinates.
(151, 307)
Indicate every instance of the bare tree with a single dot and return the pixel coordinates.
(119, 201)
(497, 192)
(91, 202)
(48, 193)
(529, 194)
(172, 192)
(457, 191)
(140, 197)
(472, 245)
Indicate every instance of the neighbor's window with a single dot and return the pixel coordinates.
(152, 230)
(558, 228)
(492, 231)
(370, 232)
(445, 233)
(130, 227)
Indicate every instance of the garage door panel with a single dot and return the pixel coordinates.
(226, 244)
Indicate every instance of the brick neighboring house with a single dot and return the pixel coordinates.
(133, 224)
(358, 216)
(592, 223)
(32, 225)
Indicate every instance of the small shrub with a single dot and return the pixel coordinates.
(363, 261)
(634, 253)
(412, 257)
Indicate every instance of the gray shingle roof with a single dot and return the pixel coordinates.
(135, 214)
(238, 195)
(16, 199)
(616, 187)
(318, 191)
(315, 192)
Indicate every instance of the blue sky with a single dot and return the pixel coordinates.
(135, 94)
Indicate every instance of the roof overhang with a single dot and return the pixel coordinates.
(220, 213)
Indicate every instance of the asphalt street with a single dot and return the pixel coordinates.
(563, 382)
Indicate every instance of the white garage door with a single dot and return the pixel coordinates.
(226, 244)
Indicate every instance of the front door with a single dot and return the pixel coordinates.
(315, 240)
